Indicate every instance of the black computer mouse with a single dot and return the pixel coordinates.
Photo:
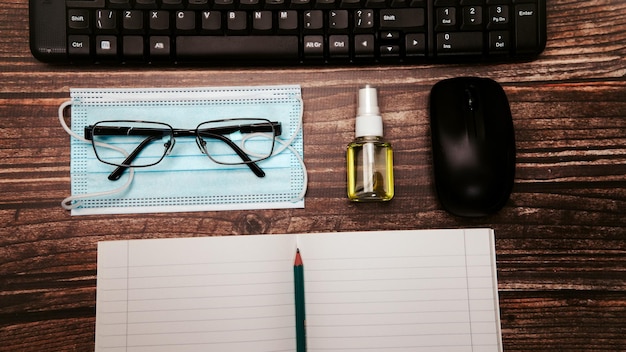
(473, 145)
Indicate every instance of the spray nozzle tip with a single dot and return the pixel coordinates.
(368, 101)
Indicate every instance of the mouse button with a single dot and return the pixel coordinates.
(447, 120)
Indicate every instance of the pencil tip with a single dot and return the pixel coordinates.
(298, 260)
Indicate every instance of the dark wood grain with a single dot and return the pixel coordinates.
(561, 239)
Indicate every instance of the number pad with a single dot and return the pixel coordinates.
(472, 27)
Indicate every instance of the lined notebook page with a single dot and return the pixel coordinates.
(198, 294)
(401, 291)
(374, 291)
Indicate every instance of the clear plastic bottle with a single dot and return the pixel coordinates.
(369, 157)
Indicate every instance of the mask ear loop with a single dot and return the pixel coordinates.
(72, 202)
(287, 144)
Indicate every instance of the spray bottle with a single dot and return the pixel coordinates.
(369, 156)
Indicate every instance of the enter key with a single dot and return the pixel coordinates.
(527, 28)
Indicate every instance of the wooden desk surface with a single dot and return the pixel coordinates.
(561, 239)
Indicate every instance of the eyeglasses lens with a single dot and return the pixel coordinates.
(236, 141)
(137, 144)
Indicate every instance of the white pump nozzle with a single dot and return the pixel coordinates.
(368, 119)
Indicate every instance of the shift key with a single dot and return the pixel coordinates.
(402, 18)
(527, 19)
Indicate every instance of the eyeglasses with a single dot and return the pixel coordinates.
(238, 141)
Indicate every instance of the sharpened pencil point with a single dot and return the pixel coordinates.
(298, 260)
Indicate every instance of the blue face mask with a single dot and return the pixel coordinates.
(185, 179)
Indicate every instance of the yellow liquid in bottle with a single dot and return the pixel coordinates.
(370, 170)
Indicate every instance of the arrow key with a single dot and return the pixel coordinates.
(364, 45)
(415, 44)
(389, 36)
(389, 50)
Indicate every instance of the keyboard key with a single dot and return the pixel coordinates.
(363, 45)
(106, 20)
(236, 21)
(498, 16)
(159, 20)
(119, 4)
(389, 36)
(526, 20)
(446, 18)
(338, 20)
(78, 45)
(171, 4)
(249, 4)
(472, 18)
(364, 19)
(185, 20)
(339, 46)
(465, 43)
(375, 4)
(132, 20)
(106, 46)
(78, 19)
(320, 4)
(223, 4)
(345, 4)
(197, 4)
(499, 42)
(211, 20)
(276, 4)
(313, 20)
(415, 44)
(262, 21)
(288, 21)
(389, 50)
(159, 47)
(145, 4)
(300, 4)
(247, 48)
(132, 47)
(313, 46)
(407, 19)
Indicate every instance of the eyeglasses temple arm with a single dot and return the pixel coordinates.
(253, 166)
(274, 128)
(117, 173)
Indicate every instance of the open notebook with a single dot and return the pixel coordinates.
(426, 290)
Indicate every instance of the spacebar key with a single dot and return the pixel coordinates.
(277, 48)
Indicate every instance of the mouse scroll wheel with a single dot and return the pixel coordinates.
(470, 98)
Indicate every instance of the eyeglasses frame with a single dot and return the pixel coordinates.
(272, 127)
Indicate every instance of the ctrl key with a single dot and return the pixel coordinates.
(78, 45)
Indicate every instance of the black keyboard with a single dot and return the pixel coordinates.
(286, 31)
